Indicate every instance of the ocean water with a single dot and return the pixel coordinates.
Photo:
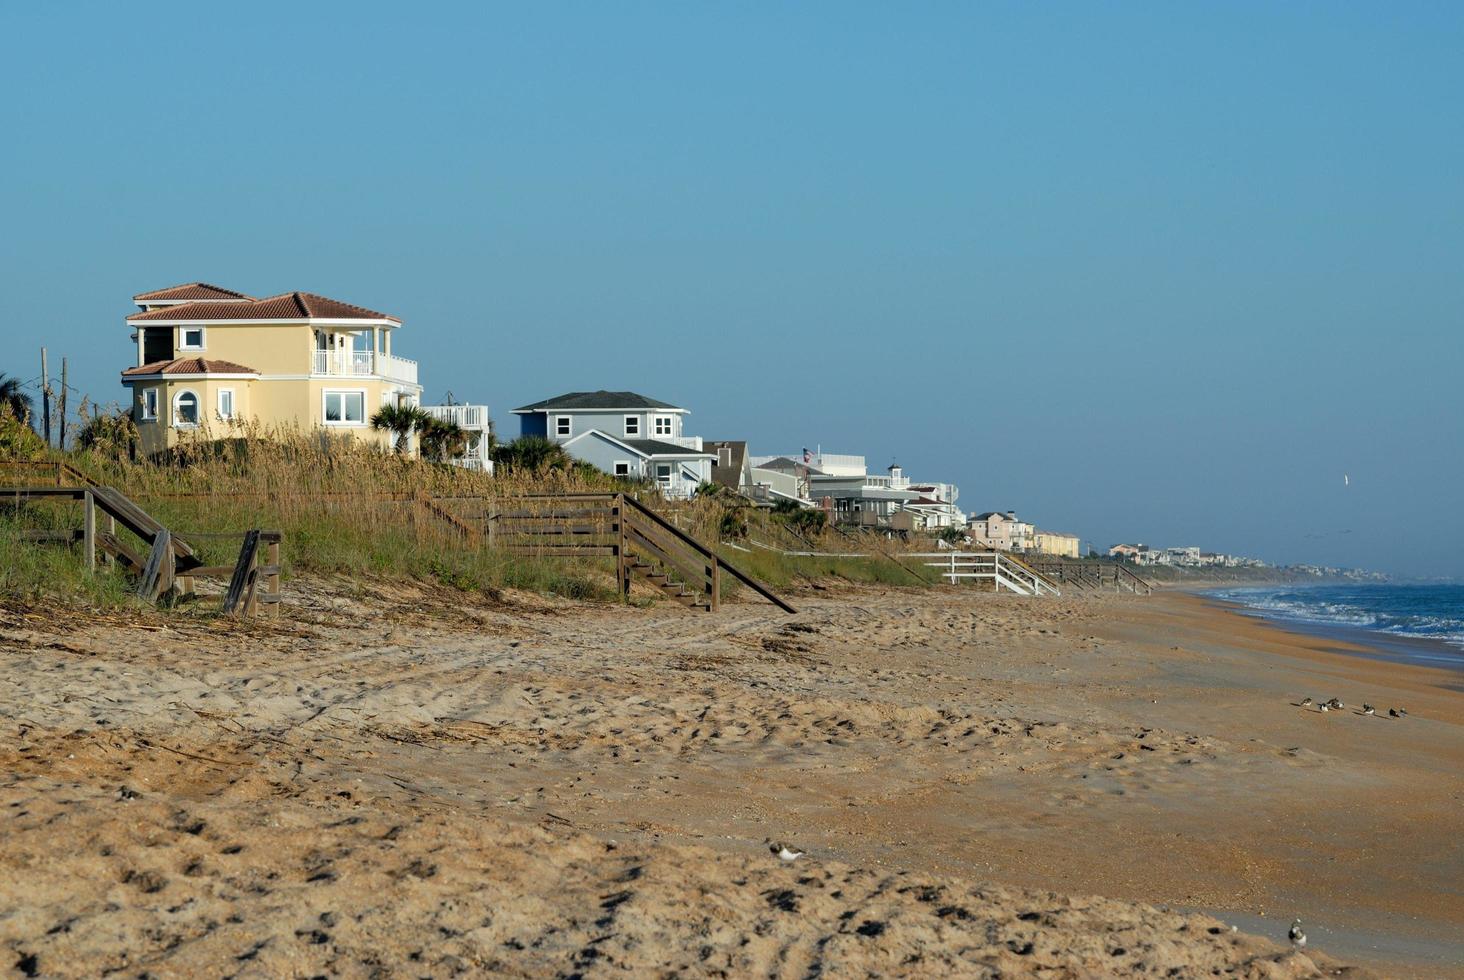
(1418, 612)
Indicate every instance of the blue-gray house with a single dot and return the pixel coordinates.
(623, 433)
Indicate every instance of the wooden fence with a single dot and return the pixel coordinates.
(168, 565)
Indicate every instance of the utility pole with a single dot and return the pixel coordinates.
(45, 400)
(61, 440)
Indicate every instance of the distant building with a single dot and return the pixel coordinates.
(1057, 543)
(1001, 531)
(732, 467)
(624, 434)
(209, 359)
(843, 486)
(477, 429)
(1127, 552)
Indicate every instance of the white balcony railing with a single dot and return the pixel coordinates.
(364, 364)
(466, 416)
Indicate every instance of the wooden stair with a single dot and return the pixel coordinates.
(643, 544)
(654, 574)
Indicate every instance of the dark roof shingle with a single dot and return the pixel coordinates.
(286, 306)
(189, 365)
(655, 447)
(595, 399)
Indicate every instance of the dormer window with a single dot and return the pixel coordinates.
(663, 425)
(191, 338)
(632, 425)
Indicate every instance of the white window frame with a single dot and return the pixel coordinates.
(568, 421)
(149, 404)
(665, 479)
(219, 404)
(617, 467)
(670, 427)
(632, 426)
(183, 344)
(178, 422)
(343, 422)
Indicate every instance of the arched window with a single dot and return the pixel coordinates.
(185, 408)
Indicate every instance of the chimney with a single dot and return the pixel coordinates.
(1011, 515)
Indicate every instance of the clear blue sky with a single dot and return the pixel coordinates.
(1144, 271)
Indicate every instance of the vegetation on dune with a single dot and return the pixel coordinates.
(14, 398)
(347, 509)
(18, 441)
(402, 421)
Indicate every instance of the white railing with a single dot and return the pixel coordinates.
(465, 416)
(1006, 573)
(363, 364)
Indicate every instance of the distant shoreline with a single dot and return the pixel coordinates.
(1359, 642)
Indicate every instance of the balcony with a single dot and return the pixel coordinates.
(470, 417)
(363, 364)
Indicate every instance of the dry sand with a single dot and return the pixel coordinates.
(424, 784)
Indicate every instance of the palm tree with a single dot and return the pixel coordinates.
(442, 440)
(402, 420)
(13, 398)
(532, 454)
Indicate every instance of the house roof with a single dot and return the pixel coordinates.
(188, 365)
(731, 474)
(191, 291)
(655, 447)
(596, 399)
(988, 515)
(286, 306)
(783, 464)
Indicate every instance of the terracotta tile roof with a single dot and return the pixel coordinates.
(286, 306)
(189, 365)
(191, 291)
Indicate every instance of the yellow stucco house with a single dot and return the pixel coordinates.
(209, 358)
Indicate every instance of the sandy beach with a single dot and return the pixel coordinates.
(413, 782)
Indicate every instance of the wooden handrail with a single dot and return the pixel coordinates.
(639, 508)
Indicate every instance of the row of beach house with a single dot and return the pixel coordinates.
(208, 358)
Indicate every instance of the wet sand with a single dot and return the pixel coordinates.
(403, 781)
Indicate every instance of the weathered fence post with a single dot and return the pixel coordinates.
(89, 531)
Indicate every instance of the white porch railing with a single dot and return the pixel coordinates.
(364, 364)
(466, 416)
(1006, 573)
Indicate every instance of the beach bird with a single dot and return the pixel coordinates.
(1297, 937)
(1393, 713)
(1306, 702)
(785, 853)
(1325, 706)
(1336, 704)
(1367, 709)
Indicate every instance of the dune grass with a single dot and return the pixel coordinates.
(347, 510)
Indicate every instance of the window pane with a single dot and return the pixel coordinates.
(332, 407)
(188, 408)
(355, 407)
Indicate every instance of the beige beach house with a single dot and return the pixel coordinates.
(209, 358)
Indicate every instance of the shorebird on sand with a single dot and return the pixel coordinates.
(1297, 937)
(1393, 713)
(1324, 707)
(784, 852)
(1306, 702)
(1336, 704)
(1368, 709)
